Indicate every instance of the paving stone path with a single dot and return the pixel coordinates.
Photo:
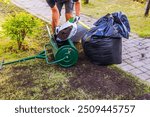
(136, 50)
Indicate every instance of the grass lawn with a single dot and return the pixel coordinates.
(36, 80)
(133, 10)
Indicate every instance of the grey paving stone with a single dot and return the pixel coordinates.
(130, 45)
(138, 64)
(136, 71)
(146, 40)
(127, 67)
(148, 72)
(147, 44)
(143, 69)
(136, 42)
(133, 49)
(148, 80)
(147, 66)
(125, 56)
(134, 53)
(128, 61)
(144, 76)
(134, 59)
(148, 55)
(147, 61)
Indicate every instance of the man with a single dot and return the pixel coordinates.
(56, 7)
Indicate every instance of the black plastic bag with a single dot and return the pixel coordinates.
(103, 43)
(112, 25)
(104, 51)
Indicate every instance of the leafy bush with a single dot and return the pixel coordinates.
(20, 25)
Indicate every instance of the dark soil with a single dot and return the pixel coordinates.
(103, 81)
(144, 97)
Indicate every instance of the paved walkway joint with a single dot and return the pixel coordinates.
(136, 50)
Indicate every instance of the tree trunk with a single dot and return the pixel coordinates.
(19, 45)
(21, 39)
(86, 1)
(147, 8)
(19, 42)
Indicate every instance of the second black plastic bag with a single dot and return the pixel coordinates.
(104, 51)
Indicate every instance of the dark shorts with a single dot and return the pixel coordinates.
(68, 5)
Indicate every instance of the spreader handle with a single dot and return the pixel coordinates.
(1, 64)
(84, 25)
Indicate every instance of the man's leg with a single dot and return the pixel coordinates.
(55, 14)
(59, 6)
(78, 7)
(69, 9)
(55, 18)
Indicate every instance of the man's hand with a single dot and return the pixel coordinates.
(57, 29)
(77, 18)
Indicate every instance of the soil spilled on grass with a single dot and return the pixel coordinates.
(102, 81)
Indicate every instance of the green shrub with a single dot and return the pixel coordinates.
(20, 25)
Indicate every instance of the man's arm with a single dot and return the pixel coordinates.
(77, 7)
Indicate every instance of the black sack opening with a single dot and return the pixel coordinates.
(102, 44)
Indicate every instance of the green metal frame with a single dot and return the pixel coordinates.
(41, 55)
(46, 57)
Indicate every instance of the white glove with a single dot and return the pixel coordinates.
(57, 30)
(77, 18)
